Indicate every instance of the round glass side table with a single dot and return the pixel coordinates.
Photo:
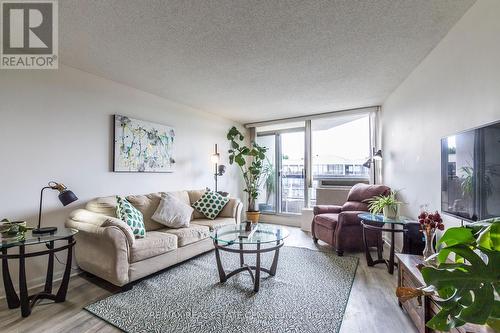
(25, 301)
(375, 223)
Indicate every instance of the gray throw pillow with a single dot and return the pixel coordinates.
(172, 212)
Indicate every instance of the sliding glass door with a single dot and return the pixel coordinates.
(282, 190)
(267, 198)
(292, 172)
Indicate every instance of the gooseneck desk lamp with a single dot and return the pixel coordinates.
(65, 196)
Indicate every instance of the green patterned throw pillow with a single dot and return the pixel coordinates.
(130, 215)
(210, 204)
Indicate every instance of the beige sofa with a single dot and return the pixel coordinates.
(106, 247)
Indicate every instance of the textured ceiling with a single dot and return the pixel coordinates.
(253, 60)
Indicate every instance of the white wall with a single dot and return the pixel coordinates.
(455, 88)
(57, 125)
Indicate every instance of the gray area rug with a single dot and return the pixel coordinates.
(308, 294)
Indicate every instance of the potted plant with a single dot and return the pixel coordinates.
(13, 230)
(388, 205)
(250, 160)
(270, 187)
(467, 285)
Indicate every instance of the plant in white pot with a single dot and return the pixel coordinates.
(386, 204)
(251, 161)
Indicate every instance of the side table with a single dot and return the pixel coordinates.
(24, 300)
(375, 223)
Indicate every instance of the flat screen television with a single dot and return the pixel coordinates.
(470, 173)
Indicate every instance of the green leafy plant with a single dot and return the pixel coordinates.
(467, 287)
(13, 230)
(270, 183)
(250, 160)
(377, 204)
(467, 179)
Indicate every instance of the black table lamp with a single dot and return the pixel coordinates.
(65, 196)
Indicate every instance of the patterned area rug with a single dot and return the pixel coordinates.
(308, 294)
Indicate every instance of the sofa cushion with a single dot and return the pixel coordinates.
(327, 220)
(147, 204)
(191, 234)
(131, 216)
(194, 196)
(155, 243)
(172, 212)
(214, 224)
(103, 205)
(230, 208)
(181, 195)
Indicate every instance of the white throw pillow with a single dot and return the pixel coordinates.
(172, 212)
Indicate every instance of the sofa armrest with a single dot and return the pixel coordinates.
(102, 245)
(327, 209)
(232, 209)
(90, 222)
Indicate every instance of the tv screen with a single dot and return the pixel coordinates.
(470, 173)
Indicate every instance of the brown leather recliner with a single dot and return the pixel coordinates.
(340, 226)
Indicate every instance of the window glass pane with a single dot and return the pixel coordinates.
(267, 197)
(292, 172)
(340, 146)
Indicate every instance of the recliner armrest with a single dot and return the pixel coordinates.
(350, 218)
(327, 209)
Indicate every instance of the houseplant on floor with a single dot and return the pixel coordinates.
(466, 285)
(388, 205)
(250, 160)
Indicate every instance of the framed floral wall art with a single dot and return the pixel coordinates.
(142, 146)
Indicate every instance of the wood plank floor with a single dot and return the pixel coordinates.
(372, 306)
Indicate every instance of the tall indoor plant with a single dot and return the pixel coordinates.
(250, 160)
(467, 285)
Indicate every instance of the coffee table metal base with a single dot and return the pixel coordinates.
(245, 267)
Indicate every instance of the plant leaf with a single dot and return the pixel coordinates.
(240, 160)
(454, 236)
(489, 238)
(480, 309)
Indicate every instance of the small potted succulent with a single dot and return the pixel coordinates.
(429, 223)
(386, 204)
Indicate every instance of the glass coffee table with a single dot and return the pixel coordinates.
(259, 239)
